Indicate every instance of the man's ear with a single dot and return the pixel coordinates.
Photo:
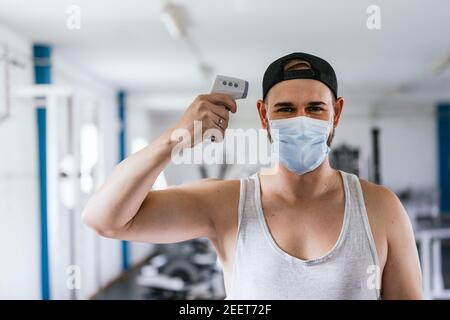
(338, 107)
(260, 105)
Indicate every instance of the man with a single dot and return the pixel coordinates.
(306, 231)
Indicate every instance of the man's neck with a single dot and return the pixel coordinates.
(313, 184)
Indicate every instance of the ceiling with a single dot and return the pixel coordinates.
(126, 45)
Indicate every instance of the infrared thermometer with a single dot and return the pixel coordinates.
(234, 87)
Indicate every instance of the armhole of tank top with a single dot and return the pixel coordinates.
(242, 192)
(368, 229)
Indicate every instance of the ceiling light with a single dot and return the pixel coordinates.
(171, 18)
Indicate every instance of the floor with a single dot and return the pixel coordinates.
(125, 288)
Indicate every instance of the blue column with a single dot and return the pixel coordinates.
(42, 75)
(122, 154)
(443, 119)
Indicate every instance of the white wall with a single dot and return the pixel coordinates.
(408, 141)
(99, 259)
(19, 202)
(409, 154)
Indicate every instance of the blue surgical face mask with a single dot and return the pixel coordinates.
(300, 143)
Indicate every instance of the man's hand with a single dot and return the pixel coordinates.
(212, 110)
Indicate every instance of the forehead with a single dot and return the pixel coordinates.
(299, 90)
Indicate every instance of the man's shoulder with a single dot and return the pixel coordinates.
(377, 193)
(383, 205)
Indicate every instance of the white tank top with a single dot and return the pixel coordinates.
(262, 270)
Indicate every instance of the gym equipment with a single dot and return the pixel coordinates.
(376, 155)
(430, 233)
(431, 230)
(183, 271)
(346, 158)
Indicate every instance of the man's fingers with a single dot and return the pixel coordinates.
(222, 99)
(219, 121)
(215, 132)
(220, 111)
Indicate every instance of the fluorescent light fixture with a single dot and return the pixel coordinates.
(171, 19)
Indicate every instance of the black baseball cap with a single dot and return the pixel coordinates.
(320, 70)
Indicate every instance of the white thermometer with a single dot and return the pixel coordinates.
(234, 87)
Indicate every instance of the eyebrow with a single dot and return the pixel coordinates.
(283, 104)
(316, 103)
(290, 104)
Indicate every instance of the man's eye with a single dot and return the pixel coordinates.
(285, 109)
(315, 109)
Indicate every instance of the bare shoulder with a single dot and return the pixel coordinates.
(377, 195)
(384, 207)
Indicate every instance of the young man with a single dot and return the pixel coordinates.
(306, 231)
